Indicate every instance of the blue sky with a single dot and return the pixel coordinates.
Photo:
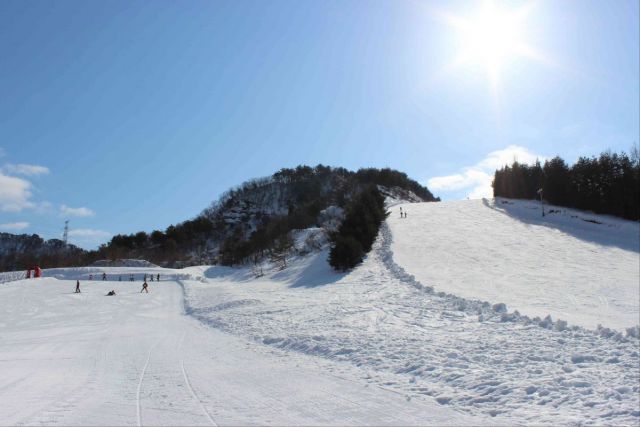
(127, 116)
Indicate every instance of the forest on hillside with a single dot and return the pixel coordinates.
(245, 224)
(607, 184)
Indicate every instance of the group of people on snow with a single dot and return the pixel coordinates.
(145, 285)
(403, 214)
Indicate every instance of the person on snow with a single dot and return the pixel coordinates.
(91, 277)
(131, 277)
(151, 275)
(104, 276)
(111, 293)
(145, 277)
(77, 286)
(145, 287)
(158, 279)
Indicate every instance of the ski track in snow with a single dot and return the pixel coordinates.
(144, 369)
(188, 383)
(88, 359)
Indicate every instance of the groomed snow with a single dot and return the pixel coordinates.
(565, 265)
(136, 359)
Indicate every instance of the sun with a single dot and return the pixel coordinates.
(491, 36)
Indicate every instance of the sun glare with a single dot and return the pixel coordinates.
(491, 37)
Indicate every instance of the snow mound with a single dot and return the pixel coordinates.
(309, 240)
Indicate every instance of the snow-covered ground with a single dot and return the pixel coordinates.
(136, 359)
(384, 344)
(466, 354)
(578, 267)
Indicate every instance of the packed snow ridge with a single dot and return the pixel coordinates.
(459, 315)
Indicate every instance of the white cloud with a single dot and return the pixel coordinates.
(477, 179)
(43, 208)
(14, 194)
(497, 159)
(79, 212)
(14, 226)
(27, 170)
(88, 233)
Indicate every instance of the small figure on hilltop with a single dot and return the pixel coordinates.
(145, 287)
(111, 293)
(104, 276)
(77, 286)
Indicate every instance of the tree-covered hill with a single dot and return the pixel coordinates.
(252, 221)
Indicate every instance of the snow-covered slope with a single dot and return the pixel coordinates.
(582, 268)
(136, 359)
(464, 353)
(383, 344)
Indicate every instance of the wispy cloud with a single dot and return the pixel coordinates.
(89, 233)
(24, 169)
(14, 226)
(477, 179)
(15, 194)
(79, 212)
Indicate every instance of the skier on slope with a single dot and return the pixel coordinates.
(104, 276)
(77, 286)
(145, 287)
(158, 279)
(111, 293)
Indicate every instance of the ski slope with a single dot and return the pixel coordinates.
(465, 354)
(396, 341)
(565, 265)
(137, 359)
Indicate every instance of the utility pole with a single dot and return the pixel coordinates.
(65, 235)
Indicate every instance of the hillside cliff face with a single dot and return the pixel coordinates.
(257, 219)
